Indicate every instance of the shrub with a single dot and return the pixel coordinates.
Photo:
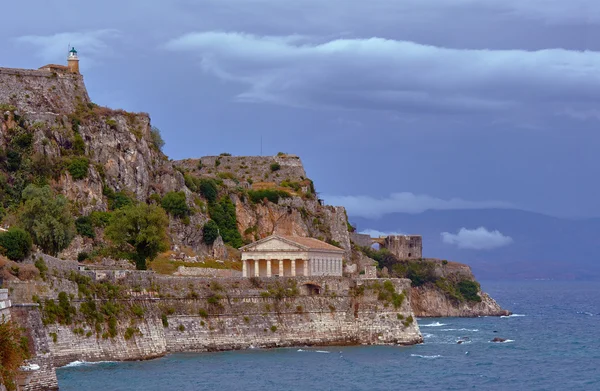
(273, 328)
(84, 227)
(210, 232)
(138, 310)
(208, 188)
(181, 328)
(41, 266)
(224, 215)
(130, 332)
(225, 154)
(469, 290)
(157, 140)
(174, 203)
(78, 145)
(99, 218)
(116, 200)
(203, 313)
(165, 320)
(275, 167)
(82, 256)
(274, 196)
(79, 167)
(15, 243)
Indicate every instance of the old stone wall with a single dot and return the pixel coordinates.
(29, 317)
(40, 91)
(242, 316)
(206, 272)
(405, 246)
(362, 240)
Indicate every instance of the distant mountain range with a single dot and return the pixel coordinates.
(542, 247)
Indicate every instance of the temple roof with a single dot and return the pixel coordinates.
(299, 241)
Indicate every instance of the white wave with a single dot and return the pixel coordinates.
(82, 363)
(300, 350)
(512, 316)
(459, 330)
(315, 351)
(429, 357)
(585, 313)
(322, 351)
(435, 324)
(427, 335)
(508, 340)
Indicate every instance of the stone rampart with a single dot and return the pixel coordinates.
(362, 240)
(41, 91)
(206, 272)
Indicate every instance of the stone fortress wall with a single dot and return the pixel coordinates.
(42, 91)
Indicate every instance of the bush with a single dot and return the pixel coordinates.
(157, 139)
(47, 218)
(165, 320)
(41, 266)
(15, 243)
(100, 219)
(82, 256)
(208, 188)
(79, 167)
(174, 203)
(469, 290)
(274, 196)
(224, 215)
(116, 200)
(210, 232)
(275, 167)
(84, 227)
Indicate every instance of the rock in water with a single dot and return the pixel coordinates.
(498, 339)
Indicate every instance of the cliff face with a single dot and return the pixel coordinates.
(49, 121)
(432, 303)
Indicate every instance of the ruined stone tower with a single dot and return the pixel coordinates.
(405, 246)
(73, 61)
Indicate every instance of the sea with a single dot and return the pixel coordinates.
(552, 342)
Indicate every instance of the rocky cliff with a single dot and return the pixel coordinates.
(48, 123)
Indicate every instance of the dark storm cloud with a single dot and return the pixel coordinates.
(447, 103)
(383, 74)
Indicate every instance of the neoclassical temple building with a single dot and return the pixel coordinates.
(290, 256)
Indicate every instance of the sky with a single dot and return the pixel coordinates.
(393, 106)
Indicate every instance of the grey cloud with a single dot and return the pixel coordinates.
(372, 207)
(53, 47)
(477, 239)
(385, 74)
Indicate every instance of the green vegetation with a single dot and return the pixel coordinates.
(224, 215)
(175, 204)
(42, 267)
(273, 328)
(79, 167)
(157, 140)
(116, 200)
(165, 320)
(14, 350)
(208, 188)
(143, 227)
(210, 232)
(61, 312)
(275, 167)
(274, 196)
(85, 226)
(469, 290)
(387, 293)
(15, 244)
(47, 218)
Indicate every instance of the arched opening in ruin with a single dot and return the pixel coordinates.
(310, 289)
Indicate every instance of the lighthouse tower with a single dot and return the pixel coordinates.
(73, 61)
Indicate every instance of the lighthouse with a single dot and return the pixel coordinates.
(73, 61)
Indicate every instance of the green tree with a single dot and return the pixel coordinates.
(16, 243)
(174, 203)
(210, 232)
(47, 218)
(208, 188)
(143, 227)
(85, 226)
(157, 139)
(224, 215)
(79, 167)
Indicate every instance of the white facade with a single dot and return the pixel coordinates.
(288, 256)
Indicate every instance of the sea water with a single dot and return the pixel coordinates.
(552, 343)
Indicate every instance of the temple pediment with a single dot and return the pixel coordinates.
(274, 243)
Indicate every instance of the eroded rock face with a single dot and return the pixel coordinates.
(430, 302)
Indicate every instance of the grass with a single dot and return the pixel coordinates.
(163, 264)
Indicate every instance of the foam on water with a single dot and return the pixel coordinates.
(512, 316)
(427, 357)
(435, 324)
(473, 330)
(83, 363)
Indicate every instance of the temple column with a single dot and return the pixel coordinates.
(256, 268)
(293, 268)
(244, 269)
(268, 268)
(281, 268)
(305, 267)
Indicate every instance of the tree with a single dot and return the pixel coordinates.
(224, 215)
(174, 203)
(143, 227)
(85, 226)
(16, 243)
(47, 218)
(208, 188)
(210, 232)
(14, 350)
(157, 139)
